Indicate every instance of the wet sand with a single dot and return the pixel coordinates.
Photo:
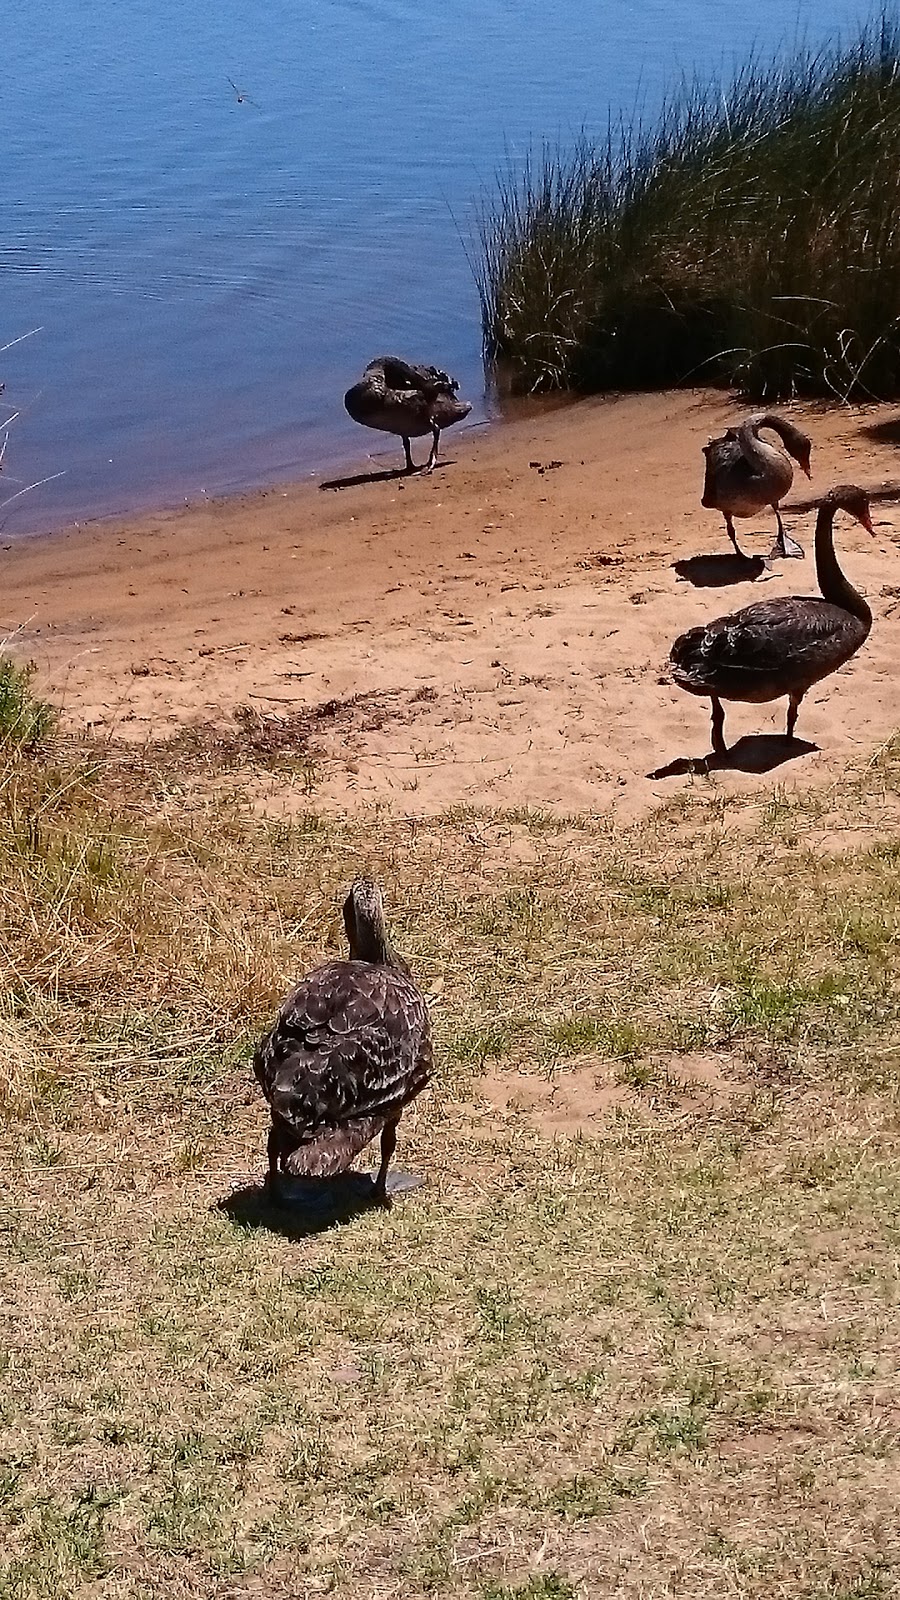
(506, 619)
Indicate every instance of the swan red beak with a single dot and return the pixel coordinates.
(866, 520)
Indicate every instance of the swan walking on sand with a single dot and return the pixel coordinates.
(780, 646)
(351, 1046)
(411, 401)
(745, 474)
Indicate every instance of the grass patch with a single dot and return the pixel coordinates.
(749, 238)
(548, 1587)
(570, 1363)
(24, 719)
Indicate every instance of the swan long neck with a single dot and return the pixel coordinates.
(367, 934)
(371, 942)
(835, 587)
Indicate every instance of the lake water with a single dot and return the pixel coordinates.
(211, 272)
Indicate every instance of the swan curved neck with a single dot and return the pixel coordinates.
(835, 587)
(760, 451)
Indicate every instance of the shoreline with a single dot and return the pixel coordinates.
(513, 611)
(153, 503)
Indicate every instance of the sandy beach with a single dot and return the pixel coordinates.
(504, 622)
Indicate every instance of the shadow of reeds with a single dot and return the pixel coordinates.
(882, 432)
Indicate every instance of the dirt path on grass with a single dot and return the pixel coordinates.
(507, 620)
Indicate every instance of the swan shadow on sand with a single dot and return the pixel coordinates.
(386, 476)
(755, 752)
(718, 572)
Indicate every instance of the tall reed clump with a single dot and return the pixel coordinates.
(751, 238)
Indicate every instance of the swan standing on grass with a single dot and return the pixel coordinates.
(351, 1046)
(411, 401)
(784, 646)
(745, 474)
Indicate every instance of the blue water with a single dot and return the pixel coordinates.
(209, 273)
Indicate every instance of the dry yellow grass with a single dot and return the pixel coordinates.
(648, 1350)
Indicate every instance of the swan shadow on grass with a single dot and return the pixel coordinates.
(311, 1205)
(716, 572)
(755, 752)
(388, 475)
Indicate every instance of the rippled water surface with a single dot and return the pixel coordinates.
(211, 267)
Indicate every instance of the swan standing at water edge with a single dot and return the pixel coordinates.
(351, 1046)
(780, 647)
(745, 474)
(411, 401)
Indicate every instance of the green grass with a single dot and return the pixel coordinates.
(651, 1348)
(24, 719)
(750, 238)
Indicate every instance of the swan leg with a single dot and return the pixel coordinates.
(718, 724)
(784, 545)
(273, 1151)
(729, 524)
(793, 708)
(380, 1196)
(410, 467)
(435, 438)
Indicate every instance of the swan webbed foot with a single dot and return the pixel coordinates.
(785, 547)
(396, 1183)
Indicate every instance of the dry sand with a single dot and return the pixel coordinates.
(507, 618)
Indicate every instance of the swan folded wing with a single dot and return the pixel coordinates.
(727, 461)
(415, 406)
(350, 1042)
(433, 381)
(764, 639)
(724, 450)
(401, 375)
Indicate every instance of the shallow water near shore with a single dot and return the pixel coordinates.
(217, 219)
